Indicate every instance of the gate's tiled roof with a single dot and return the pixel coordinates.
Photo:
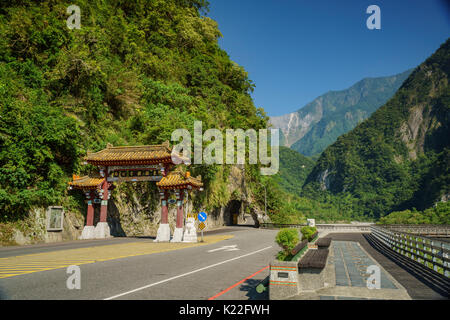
(86, 182)
(179, 180)
(152, 154)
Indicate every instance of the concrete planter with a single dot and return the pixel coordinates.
(311, 279)
(283, 281)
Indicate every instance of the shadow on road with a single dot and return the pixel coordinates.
(143, 237)
(244, 226)
(250, 286)
(3, 295)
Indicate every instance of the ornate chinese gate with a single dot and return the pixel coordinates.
(135, 164)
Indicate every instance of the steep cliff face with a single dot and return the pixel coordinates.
(399, 157)
(294, 126)
(318, 124)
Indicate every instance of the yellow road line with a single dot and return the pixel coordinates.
(47, 261)
(37, 262)
(41, 262)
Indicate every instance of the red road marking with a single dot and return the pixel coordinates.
(236, 284)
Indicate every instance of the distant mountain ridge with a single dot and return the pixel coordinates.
(399, 158)
(318, 124)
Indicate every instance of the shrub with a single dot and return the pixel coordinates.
(286, 239)
(308, 232)
(7, 235)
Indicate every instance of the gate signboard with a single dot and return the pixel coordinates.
(134, 173)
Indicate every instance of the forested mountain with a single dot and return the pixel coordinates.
(399, 158)
(318, 124)
(294, 169)
(134, 72)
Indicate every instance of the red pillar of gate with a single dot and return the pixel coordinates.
(90, 211)
(164, 209)
(180, 216)
(104, 205)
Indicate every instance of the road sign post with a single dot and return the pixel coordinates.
(202, 217)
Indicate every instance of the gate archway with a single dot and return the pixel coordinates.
(152, 163)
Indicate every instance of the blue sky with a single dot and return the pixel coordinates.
(297, 50)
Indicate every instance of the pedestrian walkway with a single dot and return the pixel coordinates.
(346, 277)
(415, 283)
(351, 263)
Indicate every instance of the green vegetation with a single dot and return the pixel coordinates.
(331, 209)
(288, 183)
(294, 169)
(294, 209)
(7, 235)
(440, 214)
(308, 233)
(398, 158)
(134, 72)
(287, 239)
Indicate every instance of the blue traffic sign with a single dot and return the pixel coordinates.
(202, 216)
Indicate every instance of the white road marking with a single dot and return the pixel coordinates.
(226, 248)
(186, 274)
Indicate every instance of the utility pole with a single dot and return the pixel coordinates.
(265, 199)
(186, 206)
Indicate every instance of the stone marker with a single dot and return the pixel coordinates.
(283, 281)
(190, 233)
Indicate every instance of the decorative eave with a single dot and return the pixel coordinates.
(179, 180)
(131, 155)
(86, 182)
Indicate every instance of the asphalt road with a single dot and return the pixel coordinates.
(76, 244)
(191, 273)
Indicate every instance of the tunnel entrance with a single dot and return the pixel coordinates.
(234, 215)
(231, 215)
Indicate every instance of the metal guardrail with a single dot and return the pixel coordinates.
(328, 227)
(267, 225)
(428, 252)
(425, 230)
(344, 227)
